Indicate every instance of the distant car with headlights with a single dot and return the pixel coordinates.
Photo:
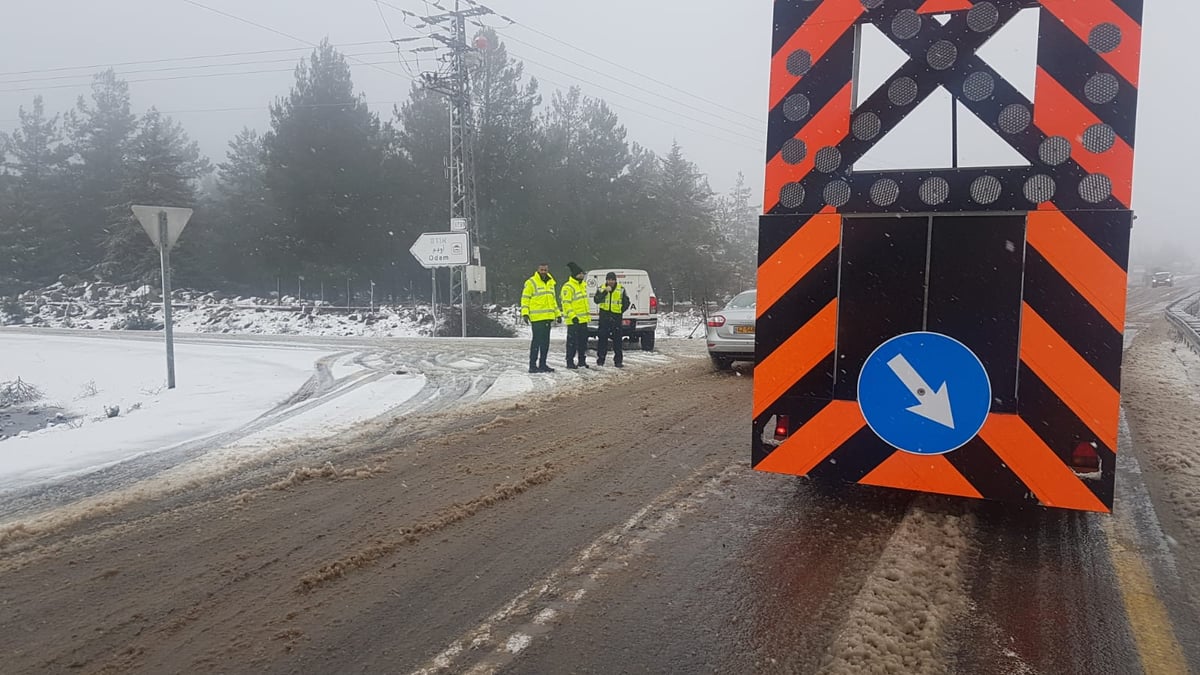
(1162, 279)
(731, 331)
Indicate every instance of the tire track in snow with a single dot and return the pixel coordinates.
(901, 619)
(530, 615)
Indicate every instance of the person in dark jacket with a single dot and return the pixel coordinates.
(612, 300)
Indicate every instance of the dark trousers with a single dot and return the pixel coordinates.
(577, 335)
(609, 329)
(539, 346)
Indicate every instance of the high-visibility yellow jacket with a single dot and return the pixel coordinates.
(538, 301)
(574, 301)
(612, 302)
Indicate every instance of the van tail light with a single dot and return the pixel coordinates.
(716, 321)
(1085, 458)
(782, 427)
(653, 305)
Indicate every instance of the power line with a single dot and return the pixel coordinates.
(744, 126)
(286, 35)
(756, 128)
(95, 66)
(617, 65)
(263, 107)
(202, 66)
(77, 85)
(734, 132)
(673, 123)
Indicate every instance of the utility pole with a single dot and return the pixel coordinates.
(453, 81)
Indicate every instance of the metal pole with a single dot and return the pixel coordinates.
(347, 294)
(433, 303)
(953, 132)
(164, 255)
(372, 297)
(462, 278)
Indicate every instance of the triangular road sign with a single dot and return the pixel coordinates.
(177, 219)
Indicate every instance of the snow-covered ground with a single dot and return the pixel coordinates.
(106, 401)
(1161, 396)
(107, 307)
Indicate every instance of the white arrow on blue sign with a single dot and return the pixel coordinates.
(924, 393)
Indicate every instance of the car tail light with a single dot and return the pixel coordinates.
(782, 427)
(716, 321)
(653, 305)
(1085, 458)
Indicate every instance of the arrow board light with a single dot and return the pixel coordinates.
(177, 219)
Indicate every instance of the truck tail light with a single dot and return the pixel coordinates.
(653, 305)
(782, 427)
(1085, 458)
(716, 321)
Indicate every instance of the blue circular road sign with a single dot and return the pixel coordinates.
(924, 393)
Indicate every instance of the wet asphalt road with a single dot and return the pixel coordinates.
(669, 555)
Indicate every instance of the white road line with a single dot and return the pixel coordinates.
(528, 616)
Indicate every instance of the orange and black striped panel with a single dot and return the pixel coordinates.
(848, 259)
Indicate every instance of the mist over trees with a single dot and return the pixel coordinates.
(332, 191)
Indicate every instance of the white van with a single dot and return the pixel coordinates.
(641, 319)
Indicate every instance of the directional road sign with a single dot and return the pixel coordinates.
(177, 219)
(442, 249)
(924, 393)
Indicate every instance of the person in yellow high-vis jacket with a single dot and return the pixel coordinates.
(575, 313)
(612, 301)
(539, 309)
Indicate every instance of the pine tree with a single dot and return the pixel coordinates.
(325, 157)
(583, 156)
(698, 264)
(505, 145)
(243, 216)
(100, 134)
(33, 237)
(164, 165)
(737, 217)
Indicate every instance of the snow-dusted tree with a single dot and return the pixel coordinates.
(163, 168)
(34, 242)
(100, 131)
(325, 154)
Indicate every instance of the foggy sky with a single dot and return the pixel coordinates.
(717, 51)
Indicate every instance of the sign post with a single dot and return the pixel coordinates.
(443, 249)
(164, 224)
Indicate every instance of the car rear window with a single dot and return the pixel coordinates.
(743, 300)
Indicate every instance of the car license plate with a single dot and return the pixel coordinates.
(743, 329)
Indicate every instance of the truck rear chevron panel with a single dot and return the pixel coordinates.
(1077, 136)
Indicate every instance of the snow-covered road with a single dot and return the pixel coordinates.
(238, 397)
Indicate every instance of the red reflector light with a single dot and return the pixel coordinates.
(716, 321)
(781, 427)
(1085, 459)
(653, 305)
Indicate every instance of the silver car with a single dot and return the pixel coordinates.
(731, 331)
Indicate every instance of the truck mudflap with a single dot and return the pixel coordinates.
(954, 331)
